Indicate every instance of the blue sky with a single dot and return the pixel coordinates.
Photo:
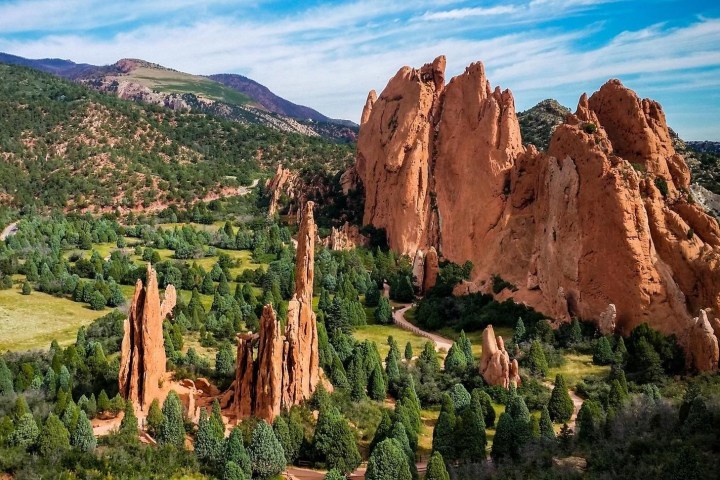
(329, 54)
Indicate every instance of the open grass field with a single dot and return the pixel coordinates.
(578, 366)
(380, 333)
(33, 321)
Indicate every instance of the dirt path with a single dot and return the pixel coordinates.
(8, 231)
(441, 343)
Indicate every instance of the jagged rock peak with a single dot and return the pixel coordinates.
(495, 365)
(142, 356)
(305, 255)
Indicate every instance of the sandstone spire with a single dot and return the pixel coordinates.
(602, 218)
(495, 365)
(287, 368)
(142, 358)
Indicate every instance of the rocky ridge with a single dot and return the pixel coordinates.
(142, 354)
(603, 217)
(286, 369)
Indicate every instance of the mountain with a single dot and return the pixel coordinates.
(242, 100)
(538, 123)
(601, 226)
(705, 146)
(64, 145)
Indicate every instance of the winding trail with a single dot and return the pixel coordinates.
(8, 231)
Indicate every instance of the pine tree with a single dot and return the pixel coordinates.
(621, 352)
(235, 451)
(209, 446)
(459, 396)
(324, 302)
(575, 335)
(408, 352)
(334, 475)
(383, 429)
(470, 441)
(520, 332)
(103, 402)
(225, 361)
(26, 288)
(427, 362)
(588, 421)
(372, 295)
(520, 414)
(444, 431)
(399, 434)
(207, 286)
(266, 453)
(502, 447)
(97, 301)
(388, 462)
(26, 431)
(334, 441)
(282, 432)
(603, 354)
(83, 437)
(537, 363)
(154, 418)
(6, 379)
(172, 429)
(546, 426)
(617, 395)
(383, 312)
(436, 468)
(480, 396)
(54, 438)
(392, 370)
(64, 379)
(232, 471)
(129, 423)
(560, 406)
(466, 347)
(456, 362)
(377, 388)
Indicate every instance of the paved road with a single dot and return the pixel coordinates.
(8, 231)
(441, 343)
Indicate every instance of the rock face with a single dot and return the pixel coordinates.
(495, 365)
(603, 217)
(142, 357)
(432, 268)
(346, 237)
(281, 183)
(286, 369)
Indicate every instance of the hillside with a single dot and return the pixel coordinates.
(63, 145)
(241, 100)
(538, 123)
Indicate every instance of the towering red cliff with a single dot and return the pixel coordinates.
(603, 218)
(287, 368)
(142, 356)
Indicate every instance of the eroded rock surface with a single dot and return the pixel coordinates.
(142, 354)
(286, 369)
(495, 365)
(602, 218)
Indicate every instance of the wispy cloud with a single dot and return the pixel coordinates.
(462, 13)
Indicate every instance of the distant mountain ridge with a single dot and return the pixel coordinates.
(230, 96)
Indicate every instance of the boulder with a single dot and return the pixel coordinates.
(432, 269)
(495, 365)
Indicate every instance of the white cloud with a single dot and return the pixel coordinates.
(462, 13)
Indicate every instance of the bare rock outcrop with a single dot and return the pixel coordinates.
(142, 354)
(602, 218)
(286, 369)
(280, 184)
(432, 268)
(495, 365)
(346, 237)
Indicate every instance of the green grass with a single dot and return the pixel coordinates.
(576, 367)
(33, 321)
(380, 333)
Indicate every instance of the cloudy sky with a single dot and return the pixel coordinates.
(329, 54)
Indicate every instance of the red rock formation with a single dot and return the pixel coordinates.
(346, 237)
(432, 268)
(495, 365)
(602, 218)
(280, 184)
(287, 368)
(142, 355)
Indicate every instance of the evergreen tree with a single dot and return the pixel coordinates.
(383, 429)
(209, 446)
(621, 352)
(383, 312)
(337, 317)
(282, 432)
(26, 431)
(466, 347)
(459, 396)
(207, 287)
(65, 379)
(266, 453)
(6, 379)
(399, 434)
(546, 426)
(483, 399)
(235, 451)
(588, 421)
(223, 286)
(603, 354)
(388, 462)
(233, 471)
(470, 441)
(334, 475)
(436, 468)
(154, 418)
(172, 429)
(427, 362)
(26, 288)
(617, 395)
(324, 302)
(334, 441)
(520, 332)
(129, 423)
(408, 352)
(83, 437)
(560, 406)
(372, 295)
(536, 361)
(544, 332)
(97, 301)
(456, 362)
(225, 361)
(518, 411)
(392, 370)
(502, 447)
(377, 388)
(103, 402)
(444, 431)
(54, 438)
(647, 362)
(575, 334)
